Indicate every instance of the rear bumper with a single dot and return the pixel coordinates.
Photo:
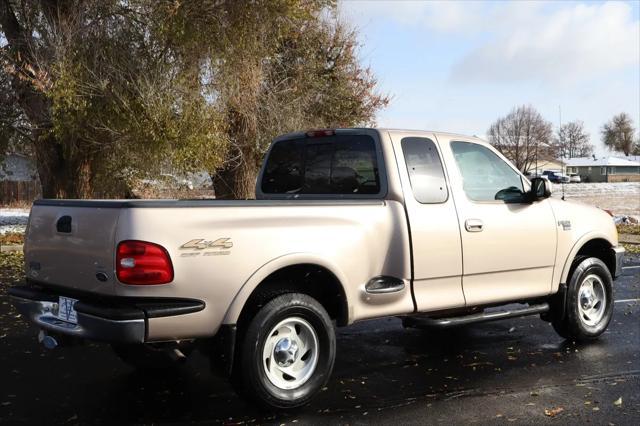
(122, 320)
(619, 254)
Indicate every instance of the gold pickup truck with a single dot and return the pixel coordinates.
(348, 224)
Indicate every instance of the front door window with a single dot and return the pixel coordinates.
(486, 177)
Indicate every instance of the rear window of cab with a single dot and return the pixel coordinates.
(340, 164)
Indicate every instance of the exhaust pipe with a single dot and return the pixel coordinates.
(47, 341)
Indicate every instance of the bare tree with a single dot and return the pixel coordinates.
(572, 140)
(523, 136)
(618, 134)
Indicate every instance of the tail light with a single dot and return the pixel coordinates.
(143, 263)
(319, 133)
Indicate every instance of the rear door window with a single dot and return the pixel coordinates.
(425, 170)
(341, 164)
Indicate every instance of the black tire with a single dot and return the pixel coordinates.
(149, 356)
(575, 325)
(250, 376)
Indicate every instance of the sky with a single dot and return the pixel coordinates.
(459, 66)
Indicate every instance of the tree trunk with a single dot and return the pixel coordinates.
(236, 182)
(60, 177)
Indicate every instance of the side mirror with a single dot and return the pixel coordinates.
(540, 189)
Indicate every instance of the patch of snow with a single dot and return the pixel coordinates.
(13, 220)
(622, 198)
(201, 180)
(12, 229)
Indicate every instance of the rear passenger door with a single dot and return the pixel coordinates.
(435, 233)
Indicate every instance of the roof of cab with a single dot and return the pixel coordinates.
(299, 134)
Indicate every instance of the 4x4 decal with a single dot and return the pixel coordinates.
(219, 247)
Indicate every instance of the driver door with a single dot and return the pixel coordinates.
(508, 244)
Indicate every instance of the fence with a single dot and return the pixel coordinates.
(16, 192)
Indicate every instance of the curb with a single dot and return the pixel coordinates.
(11, 248)
(629, 238)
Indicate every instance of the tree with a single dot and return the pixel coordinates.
(572, 140)
(14, 128)
(283, 66)
(105, 91)
(522, 136)
(100, 94)
(618, 134)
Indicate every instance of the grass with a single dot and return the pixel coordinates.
(633, 229)
(630, 229)
(632, 248)
(11, 238)
(17, 205)
(11, 269)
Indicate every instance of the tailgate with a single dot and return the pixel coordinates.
(72, 246)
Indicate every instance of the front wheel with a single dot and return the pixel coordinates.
(589, 301)
(287, 352)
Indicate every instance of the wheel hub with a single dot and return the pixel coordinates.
(592, 300)
(290, 353)
(586, 299)
(285, 352)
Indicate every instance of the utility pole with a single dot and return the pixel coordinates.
(559, 130)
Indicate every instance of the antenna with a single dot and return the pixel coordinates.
(562, 174)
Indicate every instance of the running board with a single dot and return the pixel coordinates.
(474, 318)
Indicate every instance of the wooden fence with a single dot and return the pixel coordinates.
(19, 192)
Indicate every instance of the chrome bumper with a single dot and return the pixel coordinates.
(105, 318)
(91, 327)
(619, 253)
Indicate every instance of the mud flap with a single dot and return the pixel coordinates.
(223, 350)
(558, 304)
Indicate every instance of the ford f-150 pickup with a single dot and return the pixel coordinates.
(348, 224)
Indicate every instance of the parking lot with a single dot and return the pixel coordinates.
(511, 371)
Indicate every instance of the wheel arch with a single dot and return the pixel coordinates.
(297, 272)
(593, 245)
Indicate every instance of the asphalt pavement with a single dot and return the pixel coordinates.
(516, 371)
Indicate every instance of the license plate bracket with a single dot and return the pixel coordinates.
(66, 310)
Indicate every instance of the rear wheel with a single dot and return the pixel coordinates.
(589, 301)
(153, 356)
(287, 352)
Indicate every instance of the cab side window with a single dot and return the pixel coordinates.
(425, 170)
(486, 177)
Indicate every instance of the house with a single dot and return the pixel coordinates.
(19, 181)
(17, 168)
(605, 169)
(546, 164)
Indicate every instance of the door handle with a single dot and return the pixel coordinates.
(473, 225)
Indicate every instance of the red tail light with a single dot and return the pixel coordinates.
(143, 263)
(319, 133)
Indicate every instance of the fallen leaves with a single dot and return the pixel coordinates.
(477, 364)
(552, 412)
(618, 402)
